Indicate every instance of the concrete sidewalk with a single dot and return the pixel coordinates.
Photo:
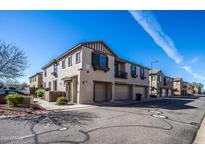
(51, 106)
(200, 137)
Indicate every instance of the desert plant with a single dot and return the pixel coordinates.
(176, 90)
(62, 101)
(40, 93)
(15, 100)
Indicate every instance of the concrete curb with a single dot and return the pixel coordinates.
(200, 136)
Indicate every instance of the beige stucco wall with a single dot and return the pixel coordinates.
(157, 84)
(88, 75)
(70, 71)
(177, 85)
(36, 81)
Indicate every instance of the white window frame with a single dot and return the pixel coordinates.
(77, 57)
(69, 61)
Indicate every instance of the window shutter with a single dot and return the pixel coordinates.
(106, 61)
(95, 59)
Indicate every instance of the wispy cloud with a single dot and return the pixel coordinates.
(150, 24)
(195, 59)
(196, 75)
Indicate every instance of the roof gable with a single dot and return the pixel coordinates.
(99, 46)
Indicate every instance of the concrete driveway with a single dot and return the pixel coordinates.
(173, 120)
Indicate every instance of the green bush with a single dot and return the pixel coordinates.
(40, 93)
(15, 100)
(62, 101)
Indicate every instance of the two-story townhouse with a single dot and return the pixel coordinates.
(92, 72)
(36, 80)
(160, 85)
(197, 88)
(180, 87)
(185, 90)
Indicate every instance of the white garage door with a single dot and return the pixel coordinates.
(164, 92)
(139, 90)
(100, 92)
(122, 92)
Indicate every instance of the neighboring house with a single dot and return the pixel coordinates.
(92, 72)
(197, 88)
(160, 85)
(186, 88)
(36, 80)
(180, 87)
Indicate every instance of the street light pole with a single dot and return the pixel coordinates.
(152, 62)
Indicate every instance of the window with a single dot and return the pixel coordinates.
(55, 85)
(55, 67)
(154, 77)
(49, 85)
(78, 57)
(45, 73)
(133, 71)
(63, 64)
(99, 61)
(44, 85)
(70, 61)
(142, 73)
(160, 78)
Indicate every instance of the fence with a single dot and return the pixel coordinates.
(52, 96)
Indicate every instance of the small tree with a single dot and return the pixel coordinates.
(191, 88)
(13, 61)
(40, 93)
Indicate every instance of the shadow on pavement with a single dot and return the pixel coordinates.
(74, 118)
(175, 103)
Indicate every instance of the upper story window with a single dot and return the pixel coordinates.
(69, 61)
(44, 85)
(99, 61)
(142, 73)
(133, 71)
(160, 78)
(77, 57)
(154, 77)
(55, 67)
(63, 64)
(49, 85)
(165, 81)
(45, 73)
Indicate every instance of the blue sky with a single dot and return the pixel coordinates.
(140, 37)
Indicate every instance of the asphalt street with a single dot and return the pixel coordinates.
(168, 121)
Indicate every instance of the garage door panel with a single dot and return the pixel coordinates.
(100, 92)
(139, 90)
(122, 92)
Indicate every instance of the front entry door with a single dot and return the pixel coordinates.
(55, 85)
(68, 90)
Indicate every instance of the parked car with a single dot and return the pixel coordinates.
(9, 88)
(4, 93)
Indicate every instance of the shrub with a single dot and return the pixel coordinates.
(152, 96)
(15, 100)
(62, 101)
(40, 93)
